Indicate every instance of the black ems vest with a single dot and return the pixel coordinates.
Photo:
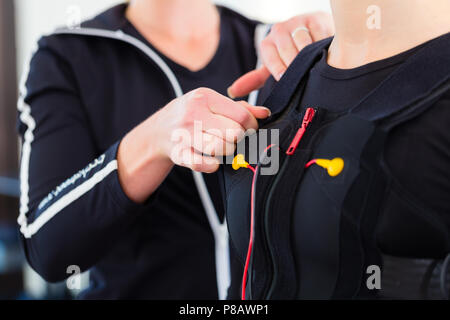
(316, 236)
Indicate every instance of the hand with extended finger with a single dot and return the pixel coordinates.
(190, 131)
(281, 46)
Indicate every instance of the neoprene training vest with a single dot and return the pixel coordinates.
(317, 236)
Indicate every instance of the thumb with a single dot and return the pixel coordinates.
(250, 81)
(196, 161)
(257, 112)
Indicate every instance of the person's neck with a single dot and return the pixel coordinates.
(175, 18)
(372, 30)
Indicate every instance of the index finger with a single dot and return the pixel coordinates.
(228, 108)
(250, 81)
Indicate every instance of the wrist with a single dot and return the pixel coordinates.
(156, 140)
(142, 163)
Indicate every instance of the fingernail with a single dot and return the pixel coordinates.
(230, 94)
(268, 111)
(280, 75)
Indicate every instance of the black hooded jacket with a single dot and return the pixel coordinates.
(84, 90)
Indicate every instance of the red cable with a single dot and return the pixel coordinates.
(252, 218)
(250, 243)
(309, 164)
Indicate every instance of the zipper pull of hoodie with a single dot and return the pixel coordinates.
(307, 119)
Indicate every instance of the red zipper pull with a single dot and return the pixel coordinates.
(307, 119)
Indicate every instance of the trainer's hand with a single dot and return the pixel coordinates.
(280, 48)
(203, 124)
(190, 131)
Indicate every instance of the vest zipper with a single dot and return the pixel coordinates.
(307, 119)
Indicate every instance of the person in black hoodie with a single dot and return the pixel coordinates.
(100, 189)
(376, 98)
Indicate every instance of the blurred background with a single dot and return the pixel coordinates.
(22, 22)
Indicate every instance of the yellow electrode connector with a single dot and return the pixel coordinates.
(334, 167)
(239, 162)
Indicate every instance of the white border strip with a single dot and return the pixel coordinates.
(261, 31)
(29, 230)
(120, 35)
(26, 118)
(221, 237)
